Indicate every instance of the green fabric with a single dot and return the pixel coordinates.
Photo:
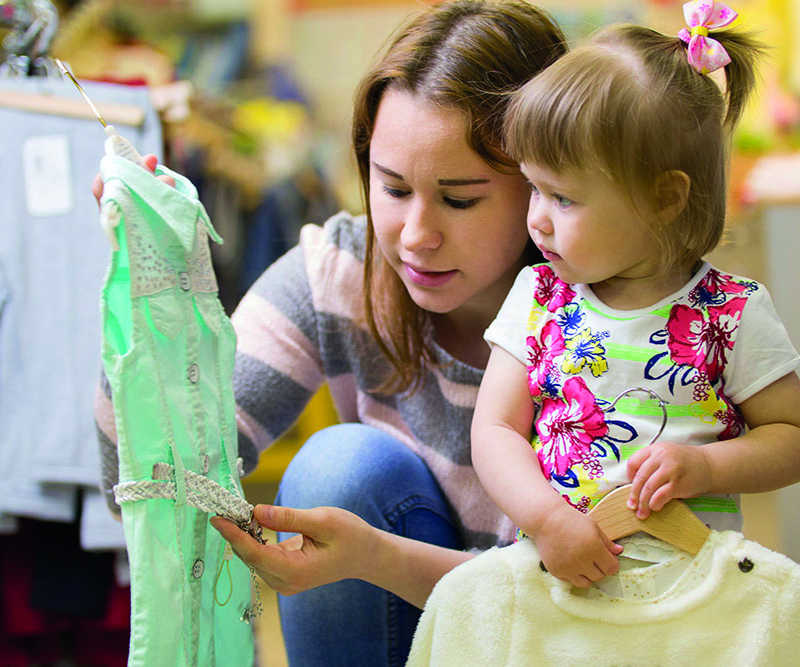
(168, 351)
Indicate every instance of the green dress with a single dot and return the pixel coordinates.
(168, 350)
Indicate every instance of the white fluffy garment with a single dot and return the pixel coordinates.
(734, 603)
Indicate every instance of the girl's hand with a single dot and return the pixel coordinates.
(666, 470)
(151, 161)
(333, 544)
(574, 549)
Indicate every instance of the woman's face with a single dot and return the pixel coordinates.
(451, 227)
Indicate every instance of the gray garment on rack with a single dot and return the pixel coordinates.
(53, 256)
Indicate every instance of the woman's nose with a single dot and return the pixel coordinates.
(420, 229)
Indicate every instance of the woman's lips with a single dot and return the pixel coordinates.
(428, 278)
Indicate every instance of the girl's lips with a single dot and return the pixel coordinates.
(428, 278)
(550, 256)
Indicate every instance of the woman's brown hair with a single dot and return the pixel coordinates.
(466, 55)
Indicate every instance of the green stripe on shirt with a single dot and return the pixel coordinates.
(723, 505)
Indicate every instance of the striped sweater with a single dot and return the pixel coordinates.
(301, 325)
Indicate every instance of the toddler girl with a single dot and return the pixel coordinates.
(624, 142)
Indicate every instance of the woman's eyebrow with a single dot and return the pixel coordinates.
(387, 171)
(442, 181)
(462, 181)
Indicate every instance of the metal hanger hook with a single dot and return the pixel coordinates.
(661, 403)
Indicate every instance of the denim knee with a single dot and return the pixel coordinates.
(368, 472)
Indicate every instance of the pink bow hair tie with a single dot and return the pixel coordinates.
(705, 53)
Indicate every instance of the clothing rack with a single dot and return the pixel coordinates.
(114, 113)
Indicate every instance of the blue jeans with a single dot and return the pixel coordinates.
(359, 468)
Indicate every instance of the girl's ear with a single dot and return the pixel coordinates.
(672, 193)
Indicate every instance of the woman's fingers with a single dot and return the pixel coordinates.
(97, 187)
(319, 524)
(331, 544)
(241, 542)
(150, 160)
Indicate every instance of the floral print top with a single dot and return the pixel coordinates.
(703, 350)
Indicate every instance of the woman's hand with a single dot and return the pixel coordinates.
(574, 549)
(333, 544)
(666, 470)
(150, 160)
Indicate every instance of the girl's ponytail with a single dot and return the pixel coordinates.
(740, 74)
(708, 49)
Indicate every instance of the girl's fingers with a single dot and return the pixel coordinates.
(635, 464)
(613, 548)
(643, 485)
(662, 496)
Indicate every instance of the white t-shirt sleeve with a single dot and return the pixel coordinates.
(510, 328)
(763, 352)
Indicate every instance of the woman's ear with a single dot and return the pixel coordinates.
(672, 193)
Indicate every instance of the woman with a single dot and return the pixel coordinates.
(402, 348)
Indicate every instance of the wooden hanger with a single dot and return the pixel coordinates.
(130, 115)
(675, 524)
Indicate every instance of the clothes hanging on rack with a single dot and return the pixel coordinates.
(53, 256)
(735, 603)
(168, 351)
(59, 605)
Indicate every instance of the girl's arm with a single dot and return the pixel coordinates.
(571, 545)
(765, 458)
(334, 544)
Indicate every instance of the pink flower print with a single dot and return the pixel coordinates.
(567, 428)
(733, 420)
(702, 343)
(550, 291)
(582, 505)
(541, 354)
(715, 282)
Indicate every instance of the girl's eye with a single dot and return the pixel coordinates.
(563, 202)
(460, 203)
(395, 192)
(534, 189)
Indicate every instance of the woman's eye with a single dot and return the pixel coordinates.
(460, 203)
(395, 192)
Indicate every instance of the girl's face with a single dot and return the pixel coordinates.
(590, 231)
(451, 227)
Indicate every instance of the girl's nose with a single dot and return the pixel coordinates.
(538, 217)
(420, 229)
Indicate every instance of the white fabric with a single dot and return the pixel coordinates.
(500, 608)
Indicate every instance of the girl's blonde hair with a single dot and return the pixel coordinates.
(466, 55)
(629, 105)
